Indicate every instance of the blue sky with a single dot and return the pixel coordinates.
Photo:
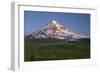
(76, 22)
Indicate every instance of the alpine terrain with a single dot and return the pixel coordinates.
(56, 31)
(55, 42)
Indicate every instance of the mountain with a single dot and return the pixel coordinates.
(56, 31)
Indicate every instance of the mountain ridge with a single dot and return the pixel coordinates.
(56, 31)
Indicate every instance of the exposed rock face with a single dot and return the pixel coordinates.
(55, 30)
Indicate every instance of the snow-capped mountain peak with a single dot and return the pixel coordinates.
(53, 21)
(53, 24)
(55, 30)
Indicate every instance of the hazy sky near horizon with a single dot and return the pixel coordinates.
(77, 22)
